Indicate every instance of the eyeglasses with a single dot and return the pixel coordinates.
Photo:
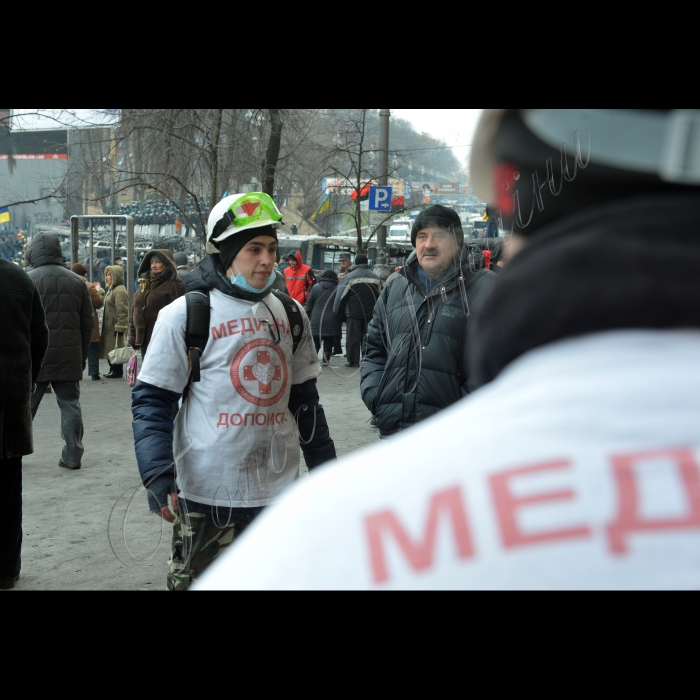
(251, 207)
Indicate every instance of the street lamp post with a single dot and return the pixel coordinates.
(381, 267)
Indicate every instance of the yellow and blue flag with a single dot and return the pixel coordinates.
(325, 204)
(4, 215)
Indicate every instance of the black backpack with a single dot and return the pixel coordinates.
(197, 327)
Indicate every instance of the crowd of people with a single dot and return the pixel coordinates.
(542, 342)
(12, 245)
(162, 214)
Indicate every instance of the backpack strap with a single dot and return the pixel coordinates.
(296, 322)
(197, 327)
(196, 331)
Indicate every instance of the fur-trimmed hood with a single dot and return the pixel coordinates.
(167, 257)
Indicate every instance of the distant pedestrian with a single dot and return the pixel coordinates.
(181, 263)
(295, 229)
(159, 285)
(115, 320)
(23, 344)
(326, 325)
(345, 265)
(178, 226)
(97, 297)
(70, 318)
(355, 300)
(300, 278)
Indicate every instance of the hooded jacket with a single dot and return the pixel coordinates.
(299, 279)
(116, 313)
(157, 292)
(23, 343)
(69, 311)
(325, 322)
(416, 359)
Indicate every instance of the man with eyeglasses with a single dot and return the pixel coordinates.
(236, 441)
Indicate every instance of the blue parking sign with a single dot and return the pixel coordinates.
(380, 198)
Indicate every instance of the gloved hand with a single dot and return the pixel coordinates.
(158, 491)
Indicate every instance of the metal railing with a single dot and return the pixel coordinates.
(75, 241)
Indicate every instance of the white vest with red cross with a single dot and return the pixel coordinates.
(235, 442)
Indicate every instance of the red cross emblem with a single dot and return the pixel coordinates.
(260, 361)
(264, 371)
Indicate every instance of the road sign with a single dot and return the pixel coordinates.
(380, 218)
(380, 198)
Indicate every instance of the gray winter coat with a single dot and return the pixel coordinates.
(69, 311)
(416, 359)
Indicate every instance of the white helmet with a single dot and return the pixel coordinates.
(523, 159)
(241, 212)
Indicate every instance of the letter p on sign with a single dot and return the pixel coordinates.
(380, 198)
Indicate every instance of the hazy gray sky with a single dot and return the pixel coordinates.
(454, 126)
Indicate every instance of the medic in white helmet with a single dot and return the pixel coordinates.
(235, 443)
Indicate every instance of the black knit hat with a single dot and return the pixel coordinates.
(361, 259)
(441, 217)
(231, 246)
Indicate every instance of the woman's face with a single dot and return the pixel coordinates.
(108, 278)
(255, 261)
(157, 267)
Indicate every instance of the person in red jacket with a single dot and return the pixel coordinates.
(300, 278)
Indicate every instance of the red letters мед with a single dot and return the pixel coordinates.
(218, 333)
(419, 554)
(507, 506)
(628, 518)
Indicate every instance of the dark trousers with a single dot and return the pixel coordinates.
(94, 359)
(356, 331)
(327, 345)
(117, 369)
(10, 517)
(68, 399)
(337, 345)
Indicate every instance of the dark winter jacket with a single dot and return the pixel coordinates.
(69, 311)
(571, 292)
(416, 358)
(157, 293)
(319, 308)
(358, 293)
(23, 343)
(181, 262)
(280, 282)
(152, 406)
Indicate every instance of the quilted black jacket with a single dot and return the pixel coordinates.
(69, 311)
(416, 358)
